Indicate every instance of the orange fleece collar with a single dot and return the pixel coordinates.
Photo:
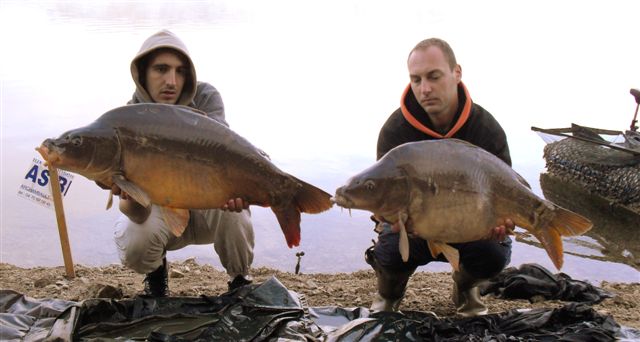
(464, 115)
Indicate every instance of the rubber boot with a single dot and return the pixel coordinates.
(391, 285)
(466, 295)
(239, 281)
(156, 283)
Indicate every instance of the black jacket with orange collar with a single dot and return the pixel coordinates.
(472, 123)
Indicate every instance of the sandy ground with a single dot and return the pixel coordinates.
(426, 292)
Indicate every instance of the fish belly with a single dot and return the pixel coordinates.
(182, 183)
(454, 217)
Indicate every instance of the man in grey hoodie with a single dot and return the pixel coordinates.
(164, 73)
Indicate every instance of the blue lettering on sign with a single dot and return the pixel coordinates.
(45, 178)
(32, 174)
(42, 178)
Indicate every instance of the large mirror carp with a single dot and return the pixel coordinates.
(453, 191)
(180, 159)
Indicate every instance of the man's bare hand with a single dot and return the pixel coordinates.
(500, 232)
(236, 204)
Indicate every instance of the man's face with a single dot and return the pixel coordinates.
(165, 77)
(433, 83)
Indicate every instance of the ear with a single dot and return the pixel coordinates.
(457, 71)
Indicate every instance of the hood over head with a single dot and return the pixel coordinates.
(161, 40)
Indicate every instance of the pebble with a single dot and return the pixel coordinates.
(108, 291)
(42, 282)
(537, 299)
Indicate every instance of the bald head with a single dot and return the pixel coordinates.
(440, 44)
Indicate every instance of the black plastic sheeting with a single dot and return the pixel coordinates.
(23, 317)
(271, 312)
(532, 280)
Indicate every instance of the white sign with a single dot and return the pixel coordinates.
(35, 185)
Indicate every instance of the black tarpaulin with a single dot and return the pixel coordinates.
(573, 322)
(29, 319)
(532, 280)
(270, 312)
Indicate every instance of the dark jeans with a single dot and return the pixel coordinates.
(482, 259)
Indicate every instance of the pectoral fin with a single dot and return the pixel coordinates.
(176, 219)
(404, 238)
(110, 200)
(449, 252)
(133, 190)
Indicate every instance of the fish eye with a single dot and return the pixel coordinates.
(369, 185)
(76, 140)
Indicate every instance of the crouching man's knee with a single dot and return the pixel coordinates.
(485, 259)
(141, 247)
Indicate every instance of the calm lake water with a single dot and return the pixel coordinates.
(311, 82)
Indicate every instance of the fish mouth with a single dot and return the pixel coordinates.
(49, 153)
(342, 201)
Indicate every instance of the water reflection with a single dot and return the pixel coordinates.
(615, 235)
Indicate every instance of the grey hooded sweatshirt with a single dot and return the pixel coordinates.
(199, 95)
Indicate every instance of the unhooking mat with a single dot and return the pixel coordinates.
(270, 312)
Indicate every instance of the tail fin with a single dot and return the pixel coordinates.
(308, 199)
(289, 219)
(552, 243)
(312, 200)
(569, 223)
(564, 223)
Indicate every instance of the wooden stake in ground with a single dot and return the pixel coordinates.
(62, 224)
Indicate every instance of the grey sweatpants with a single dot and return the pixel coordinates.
(142, 246)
